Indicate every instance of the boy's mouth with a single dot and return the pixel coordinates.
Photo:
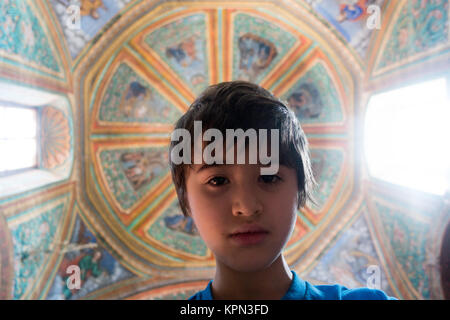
(248, 235)
(251, 228)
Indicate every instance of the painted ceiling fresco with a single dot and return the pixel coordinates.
(93, 16)
(28, 44)
(349, 19)
(346, 18)
(421, 30)
(144, 84)
(131, 70)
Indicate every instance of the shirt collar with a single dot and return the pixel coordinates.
(297, 289)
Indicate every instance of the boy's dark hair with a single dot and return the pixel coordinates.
(244, 105)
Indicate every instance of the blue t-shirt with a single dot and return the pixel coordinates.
(303, 290)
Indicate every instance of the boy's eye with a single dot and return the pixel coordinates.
(270, 178)
(217, 181)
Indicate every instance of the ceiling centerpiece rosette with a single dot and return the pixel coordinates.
(144, 72)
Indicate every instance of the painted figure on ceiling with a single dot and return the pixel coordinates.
(181, 223)
(186, 55)
(28, 35)
(89, 8)
(134, 100)
(141, 167)
(97, 267)
(89, 264)
(256, 54)
(89, 261)
(139, 103)
(352, 10)
(306, 102)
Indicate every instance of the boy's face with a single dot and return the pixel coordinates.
(226, 200)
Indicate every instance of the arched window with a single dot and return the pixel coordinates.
(36, 138)
(18, 139)
(407, 136)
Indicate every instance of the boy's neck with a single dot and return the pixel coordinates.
(271, 283)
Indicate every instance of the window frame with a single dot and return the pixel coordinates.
(41, 177)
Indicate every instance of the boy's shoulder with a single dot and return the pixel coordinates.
(205, 294)
(304, 290)
(339, 292)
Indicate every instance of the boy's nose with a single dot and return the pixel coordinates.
(246, 203)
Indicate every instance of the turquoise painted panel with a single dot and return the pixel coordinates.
(420, 26)
(129, 98)
(408, 240)
(184, 49)
(32, 242)
(131, 173)
(348, 260)
(98, 268)
(314, 97)
(326, 164)
(21, 34)
(258, 46)
(177, 232)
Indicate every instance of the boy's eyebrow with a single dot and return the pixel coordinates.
(206, 166)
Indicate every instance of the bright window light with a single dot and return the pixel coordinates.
(18, 139)
(407, 136)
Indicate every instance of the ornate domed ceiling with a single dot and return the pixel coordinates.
(109, 91)
(142, 79)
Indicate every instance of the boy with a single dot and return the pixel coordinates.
(246, 211)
